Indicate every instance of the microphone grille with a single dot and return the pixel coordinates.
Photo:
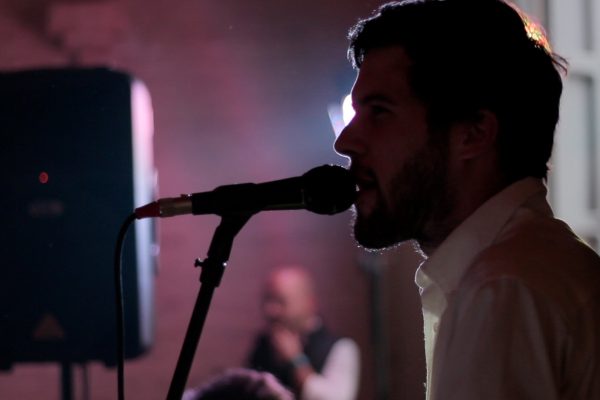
(328, 189)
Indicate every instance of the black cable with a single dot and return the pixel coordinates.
(119, 307)
(85, 382)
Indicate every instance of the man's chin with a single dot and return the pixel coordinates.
(375, 236)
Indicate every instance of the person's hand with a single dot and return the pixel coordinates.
(286, 342)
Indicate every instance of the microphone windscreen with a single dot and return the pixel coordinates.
(328, 189)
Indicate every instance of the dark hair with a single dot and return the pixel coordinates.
(242, 384)
(474, 55)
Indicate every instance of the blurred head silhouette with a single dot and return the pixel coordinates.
(241, 384)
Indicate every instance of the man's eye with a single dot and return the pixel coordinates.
(378, 110)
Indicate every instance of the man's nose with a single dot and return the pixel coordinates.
(348, 143)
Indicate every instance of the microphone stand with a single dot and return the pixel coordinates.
(213, 267)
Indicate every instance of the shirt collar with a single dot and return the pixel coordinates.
(448, 263)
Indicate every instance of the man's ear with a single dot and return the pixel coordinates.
(475, 138)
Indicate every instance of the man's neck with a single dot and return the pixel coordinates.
(465, 203)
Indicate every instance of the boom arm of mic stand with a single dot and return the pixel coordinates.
(213, 268)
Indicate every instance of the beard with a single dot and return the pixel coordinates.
(419, 196)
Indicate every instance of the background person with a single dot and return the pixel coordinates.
(295, 345)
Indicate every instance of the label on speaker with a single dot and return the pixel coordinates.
(48, 329)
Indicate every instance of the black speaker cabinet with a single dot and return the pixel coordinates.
(75, 160)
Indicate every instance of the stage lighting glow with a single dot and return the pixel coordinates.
(535, 31)
(340, 114)
(347, 110)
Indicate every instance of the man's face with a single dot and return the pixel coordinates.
(288, 300)
(400, 169)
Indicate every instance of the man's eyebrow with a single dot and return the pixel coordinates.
(373, 98)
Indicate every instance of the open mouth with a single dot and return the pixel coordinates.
(364, 185)
(367, 187)
(365, 182)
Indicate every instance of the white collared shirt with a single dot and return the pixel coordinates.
(511, 305)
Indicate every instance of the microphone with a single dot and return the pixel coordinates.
(328, 189)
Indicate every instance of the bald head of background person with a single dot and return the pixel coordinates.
(295, 345)
(289, 301)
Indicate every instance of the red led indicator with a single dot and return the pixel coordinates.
(43, 177)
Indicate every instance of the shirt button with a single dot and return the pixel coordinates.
(436, 325)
